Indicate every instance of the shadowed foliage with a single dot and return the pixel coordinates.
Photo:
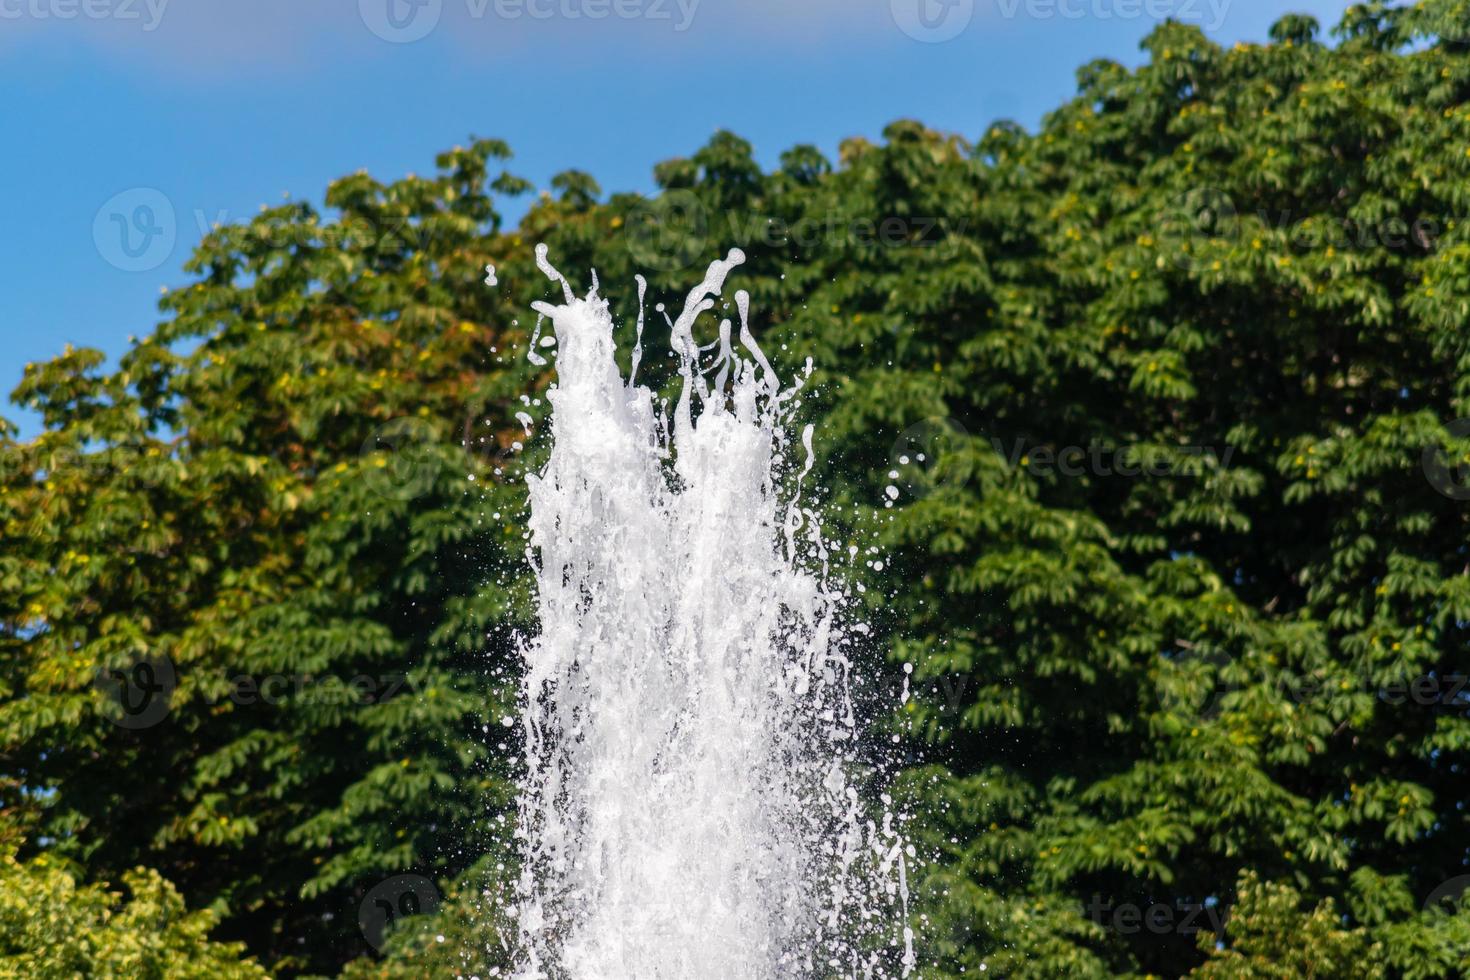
(1179, 552)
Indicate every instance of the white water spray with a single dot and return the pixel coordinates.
(688, 808)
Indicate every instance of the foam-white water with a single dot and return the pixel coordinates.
(689, 807)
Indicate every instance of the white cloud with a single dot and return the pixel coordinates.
(214, 38)
(227, 37)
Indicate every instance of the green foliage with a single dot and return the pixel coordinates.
(282, 518)
(465, 939)
(54, 928)
(1184, 595)
(1272, 939)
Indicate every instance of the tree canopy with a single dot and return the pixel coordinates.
(1173, 395)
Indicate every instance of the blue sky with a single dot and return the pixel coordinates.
(209, 108)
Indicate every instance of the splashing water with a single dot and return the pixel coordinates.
(689, 807)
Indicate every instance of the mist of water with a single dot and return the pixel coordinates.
(690, 804)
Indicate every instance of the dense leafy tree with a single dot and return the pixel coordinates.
(53, 928)
(1179, 554)
(279, 527)
(1270, 937)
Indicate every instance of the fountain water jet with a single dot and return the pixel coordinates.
(688, 806)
